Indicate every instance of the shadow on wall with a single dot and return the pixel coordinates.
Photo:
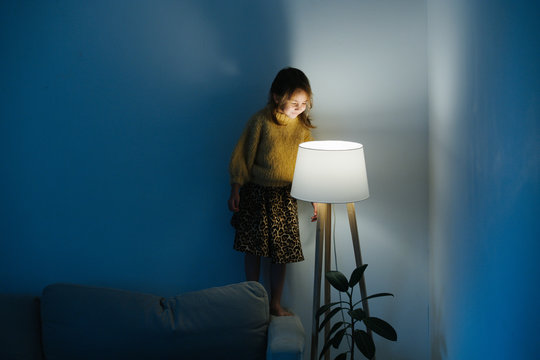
(118, 120)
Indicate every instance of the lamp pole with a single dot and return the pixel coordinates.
(322, 245)
(358, 258)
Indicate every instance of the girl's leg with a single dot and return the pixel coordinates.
(277, 280)
(252, 265)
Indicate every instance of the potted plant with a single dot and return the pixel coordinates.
(358, 338)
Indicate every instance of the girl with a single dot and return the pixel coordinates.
(261, 171)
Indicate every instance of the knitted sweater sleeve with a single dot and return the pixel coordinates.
(243, 156)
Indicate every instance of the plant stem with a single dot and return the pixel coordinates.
(352, 325)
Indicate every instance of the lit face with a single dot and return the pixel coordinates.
(296, 104)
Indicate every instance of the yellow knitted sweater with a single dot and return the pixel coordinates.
(266, 152)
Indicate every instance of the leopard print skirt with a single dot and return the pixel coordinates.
(267, 224)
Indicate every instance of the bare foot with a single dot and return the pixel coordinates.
(279, 311)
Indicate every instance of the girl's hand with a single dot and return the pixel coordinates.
(234, 199)
(314, 217)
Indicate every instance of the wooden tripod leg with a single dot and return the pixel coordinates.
(327, 259)
(319, 246)
(358, 257)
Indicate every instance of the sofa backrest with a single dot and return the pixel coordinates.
(20, 327)
(81, 322)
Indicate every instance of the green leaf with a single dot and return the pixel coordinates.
(371, 297)
(337, 339)
(328, 317)
(326, 346)
(325, 308)
(337, 280)
(357, 314)
(381, 327)
(357, 275)
(342, 356)
(376, 296)
(364, 343)
(336, 326)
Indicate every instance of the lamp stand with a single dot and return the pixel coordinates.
(323, 245)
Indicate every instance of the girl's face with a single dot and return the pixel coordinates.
(296, 104)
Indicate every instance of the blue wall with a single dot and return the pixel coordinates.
(485, 176)
(117, 123)
(117, 120)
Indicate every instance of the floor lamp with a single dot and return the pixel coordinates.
(326, 173)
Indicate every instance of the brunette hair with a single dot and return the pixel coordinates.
(284, 85)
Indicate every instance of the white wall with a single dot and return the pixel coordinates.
(367, 64)
(484, 89)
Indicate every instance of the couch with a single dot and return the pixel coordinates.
(82, 322)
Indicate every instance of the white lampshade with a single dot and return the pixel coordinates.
(330, 172)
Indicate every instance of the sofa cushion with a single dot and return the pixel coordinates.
(19, 327)
(80, 322)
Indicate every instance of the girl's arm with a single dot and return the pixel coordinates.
(234, 199)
